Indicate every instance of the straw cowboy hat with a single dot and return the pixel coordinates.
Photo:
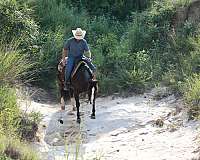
(79, 33)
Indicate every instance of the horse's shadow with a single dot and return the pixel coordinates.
(58, 134)
(67, 132)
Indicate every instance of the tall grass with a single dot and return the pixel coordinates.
(12, 148)
(14, 65)
(191, 92)
(9, 111)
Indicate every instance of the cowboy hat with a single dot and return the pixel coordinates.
(79, 33)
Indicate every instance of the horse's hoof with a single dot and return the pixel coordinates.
(78, 120)
(61, 121)
(93, 116)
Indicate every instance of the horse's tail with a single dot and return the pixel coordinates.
(93, 85)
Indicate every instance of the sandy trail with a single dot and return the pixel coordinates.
(134, 128)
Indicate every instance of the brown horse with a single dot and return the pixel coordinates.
(81, 81)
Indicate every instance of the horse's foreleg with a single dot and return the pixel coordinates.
(73, 104)
(90, 95)
(76, 96)
(62, 102)
(93, 105)
(62, 99)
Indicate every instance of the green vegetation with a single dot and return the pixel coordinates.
(14, 67)
(9, 111)
(11, 148)
(191, 92)
(135, 45)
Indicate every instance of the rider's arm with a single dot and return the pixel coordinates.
(88, 54)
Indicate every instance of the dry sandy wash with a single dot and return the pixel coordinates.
(135, 128)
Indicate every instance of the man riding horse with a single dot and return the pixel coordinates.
(74, 49)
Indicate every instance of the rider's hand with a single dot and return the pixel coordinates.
(89, 58)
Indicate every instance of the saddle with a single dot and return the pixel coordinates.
(78, 65)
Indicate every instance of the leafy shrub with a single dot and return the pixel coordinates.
(99, 26)
(53, 14)
(191, 93)
(50, 51)
(4, 157)
(9, 111)
(141, 32)
(28, 126)
(12, 120)
(12, 148)
(117, 8)
(16, 22)
(14, 65)
(183, 3)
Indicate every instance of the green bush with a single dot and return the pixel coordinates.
(12, 148)
(14, 65)
(50, 52)
(141, 32)
(28, 126)
(191, 94)
(9, 111)
(16, 22)
(4, 157)
(183, 55)
(53, 14)
(128, 53)
(117, 8)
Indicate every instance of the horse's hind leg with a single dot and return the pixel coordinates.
(93, 105)
(62, 102)
(62, 99)
(73, 104)
(90, 95)
(76, 96)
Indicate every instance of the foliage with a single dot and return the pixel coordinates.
(191, 92)
(12, 148)
(28, 126)
(53, 14)
(14, 65)
(3, 157)
(128, 54)
(133, 44)
(9, 111)
(16, 22)
(11, 126)
(183, 3)
(117, 8)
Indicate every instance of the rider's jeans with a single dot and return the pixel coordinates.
(70, 65)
